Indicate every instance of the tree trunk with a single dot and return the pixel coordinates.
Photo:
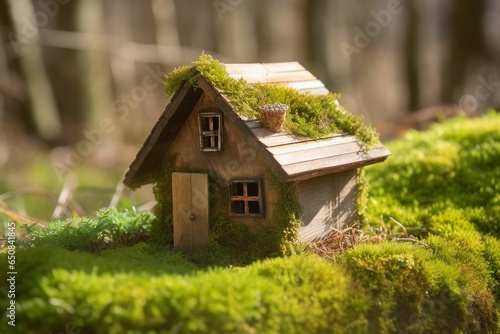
(43, 104)
(94, 66)
(466, 44)
(412, 56)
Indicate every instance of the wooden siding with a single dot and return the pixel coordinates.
(240, 158)
(328, 201)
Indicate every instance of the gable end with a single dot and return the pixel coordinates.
(164, 132)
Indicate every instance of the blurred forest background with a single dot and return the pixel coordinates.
(81, 81)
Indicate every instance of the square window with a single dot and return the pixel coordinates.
(246, 198)
(210, 128)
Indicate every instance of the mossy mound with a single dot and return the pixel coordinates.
(112, 295)
(441, 180)
(309, 115)
(443, 289)
(384, 288)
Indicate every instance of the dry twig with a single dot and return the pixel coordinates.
(338, 241)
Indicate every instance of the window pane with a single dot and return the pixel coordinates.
(215, 123)
(210, 123)
(205, 123)
(210, 141)
(253, 207)
(237, 189)
(252, 189)
(238, 207)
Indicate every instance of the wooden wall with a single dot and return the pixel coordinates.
(328, 201)
(239, 159)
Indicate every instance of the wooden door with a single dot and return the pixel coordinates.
(190, 211)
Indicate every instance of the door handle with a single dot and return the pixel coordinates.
(192, 216)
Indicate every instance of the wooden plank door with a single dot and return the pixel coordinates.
(190, 211)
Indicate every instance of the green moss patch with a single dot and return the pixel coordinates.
(309, 115)
(385, 288)
(443, 179)
(287, 295)
(442, 184)
(109, 229)
(443, 289)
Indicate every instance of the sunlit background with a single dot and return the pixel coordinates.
(81, 81)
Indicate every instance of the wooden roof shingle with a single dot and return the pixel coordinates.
(294, 157)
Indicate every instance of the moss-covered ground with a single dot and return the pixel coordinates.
(442, 185)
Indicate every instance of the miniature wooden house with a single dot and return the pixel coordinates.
(200, 131)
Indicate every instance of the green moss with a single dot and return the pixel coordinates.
(116, 294)
(467, 252)
(442, 183)
(286, 219)
(309, 115)
(416, 290)
(442, 179)
(491, 253)
(278, 238)
(110, 229)
(162, 229)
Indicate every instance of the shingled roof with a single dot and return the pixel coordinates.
(291, 157)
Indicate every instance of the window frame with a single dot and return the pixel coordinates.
(203, 133)
(246, 198)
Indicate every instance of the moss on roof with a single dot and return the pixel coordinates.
(313, 116)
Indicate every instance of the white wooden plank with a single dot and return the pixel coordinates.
(290, 74)
(358, 158)
(315, 230)
(264, 67)
(345, 209)
(306, 85)
(245, 68)
(278, 77)
(283, 66)
(269, 138)
(317, 194)
(319, 153)
(253, 123)
(311, 144)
